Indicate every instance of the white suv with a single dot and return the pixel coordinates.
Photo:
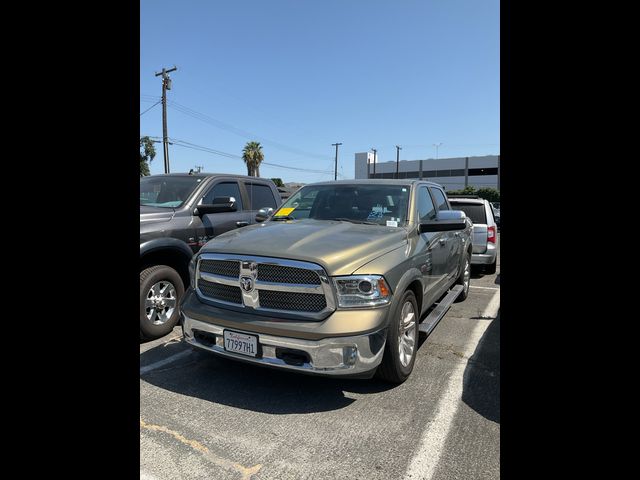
(485, 230)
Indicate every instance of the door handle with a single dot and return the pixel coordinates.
(457, 234)
(241, 224)
(442, 241)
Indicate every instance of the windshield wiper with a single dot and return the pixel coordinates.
(282, 217)
(343, 219)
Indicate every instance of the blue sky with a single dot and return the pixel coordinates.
(299, 75)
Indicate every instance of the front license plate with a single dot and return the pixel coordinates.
(241, 343)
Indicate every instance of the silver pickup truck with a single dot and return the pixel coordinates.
(334, 282)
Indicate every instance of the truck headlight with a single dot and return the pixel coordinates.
(192, 270)
(362, 291)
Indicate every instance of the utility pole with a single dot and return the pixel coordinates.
(398, 148)
(374, 162)
(166, 85)
(335, 174)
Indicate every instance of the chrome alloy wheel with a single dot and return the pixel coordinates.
(161, 302)
(466, 275)
(407, 334)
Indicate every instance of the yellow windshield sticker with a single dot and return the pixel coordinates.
(283, 212)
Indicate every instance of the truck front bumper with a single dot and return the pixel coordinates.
(356, 355)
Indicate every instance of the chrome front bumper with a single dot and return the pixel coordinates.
(337, 356)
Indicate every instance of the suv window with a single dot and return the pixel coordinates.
(441, 200)
(224, 189)
(426, 210)
(260, 196)
(475, 211)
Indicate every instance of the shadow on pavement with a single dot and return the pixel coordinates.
(497, 281)
(481, 390)
(250, 387)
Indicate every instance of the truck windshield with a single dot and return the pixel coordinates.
(369, 204)
(167, 192)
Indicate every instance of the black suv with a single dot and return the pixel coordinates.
(179, 212)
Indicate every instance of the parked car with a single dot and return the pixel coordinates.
(335, 283)
(178, 214)
(485, 228)
(496, 212)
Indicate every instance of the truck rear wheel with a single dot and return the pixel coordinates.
(402, 341)
(161, 289)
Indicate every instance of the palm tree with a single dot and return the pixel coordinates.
(253, 157)
(147, 154)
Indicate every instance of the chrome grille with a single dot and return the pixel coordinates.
(290, 288)
(302, 302)
(281, 274)
(226, 293)
(224, 268)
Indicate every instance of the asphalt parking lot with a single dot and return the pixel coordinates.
(206, 417)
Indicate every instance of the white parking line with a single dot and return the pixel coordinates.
(146, 476)
(163, 362)
(433, 439)
(484, 288)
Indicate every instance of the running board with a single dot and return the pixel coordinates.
(437, 313)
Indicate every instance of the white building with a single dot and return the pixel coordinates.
(451, 173)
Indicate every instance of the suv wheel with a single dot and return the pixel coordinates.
(491, 269)
(161, 289)
(402, 341)
(464, 279)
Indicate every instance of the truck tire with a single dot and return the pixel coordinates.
(464, 278)
(402, 341)
(161, 289)
(491, 269)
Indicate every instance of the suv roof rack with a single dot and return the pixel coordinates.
(463, 196)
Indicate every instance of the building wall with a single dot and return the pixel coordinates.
(449, 172)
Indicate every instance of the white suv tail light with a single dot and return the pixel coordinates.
(491, 234)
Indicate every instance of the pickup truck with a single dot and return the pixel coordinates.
(334, 282)
(178, 214)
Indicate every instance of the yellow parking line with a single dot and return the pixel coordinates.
(246, 472)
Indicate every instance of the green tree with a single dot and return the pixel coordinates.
(490, 194)
(278, 182)
(147, 154)
(253, 157)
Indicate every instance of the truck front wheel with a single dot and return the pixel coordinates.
(402, 341)
(161, 289)
(464, 278)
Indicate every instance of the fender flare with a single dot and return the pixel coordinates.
(166, 243)
(407, 278)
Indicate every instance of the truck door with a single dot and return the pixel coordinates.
(213, 224)
(259, 196)
(431, 253)
(452, 244)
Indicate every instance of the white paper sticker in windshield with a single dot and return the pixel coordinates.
(392, 223)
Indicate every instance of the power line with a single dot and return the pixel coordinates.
(238, 131)
(150, 107)
(193, 146)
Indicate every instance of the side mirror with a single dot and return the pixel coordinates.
(263, 214)
(446, 221)
(219, 205)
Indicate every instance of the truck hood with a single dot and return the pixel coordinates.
(155, 214)
(340, 247)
